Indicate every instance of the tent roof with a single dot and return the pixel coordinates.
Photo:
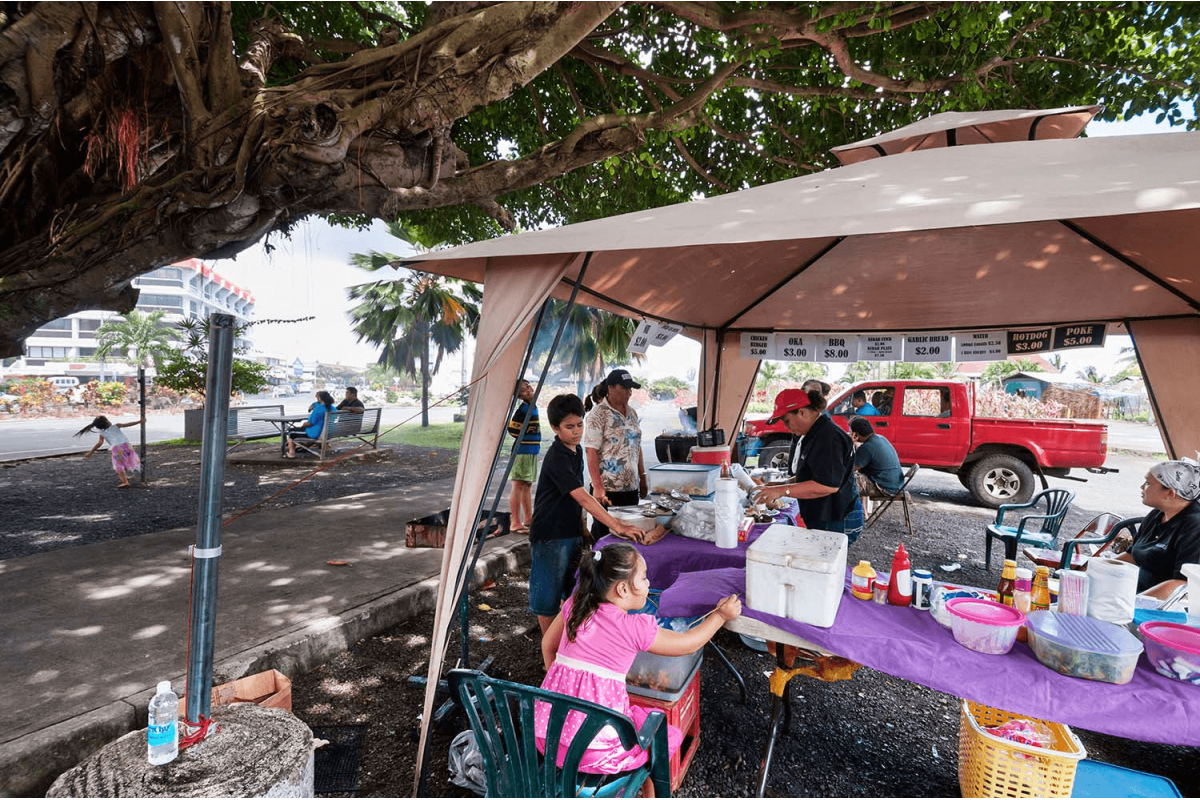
(956, 128)
(1008, 235)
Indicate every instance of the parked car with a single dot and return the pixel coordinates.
(64, 384)
(933, 423)
(283, 390)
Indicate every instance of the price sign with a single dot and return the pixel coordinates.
(927, 347)
(641, 338)
(1067, 337)
(1025, 342)
(758, 346)
(665, 333)
(836, 348)
(795, 347)
(980, 346)
(872, 347)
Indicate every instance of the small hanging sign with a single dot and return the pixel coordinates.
(879, 347)
(1022, 343)
(1068, 337)
(795, 346)
(928, 347)
(980, 346)
(665, 333)
(840, 348)
(641, 337)
(758, 346)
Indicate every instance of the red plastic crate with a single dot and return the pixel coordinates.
(684, 714)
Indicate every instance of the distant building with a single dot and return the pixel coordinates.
(185, 289)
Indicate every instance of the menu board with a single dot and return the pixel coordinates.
(928, 347)
(758, 346)
(837, 348)
(1068, 337)
(1024, 342)
(879, 347)
(795, 346)
(980, 346)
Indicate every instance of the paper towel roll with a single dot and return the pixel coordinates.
(728, 511)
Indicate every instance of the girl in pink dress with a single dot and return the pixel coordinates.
(124, 459)
(591, 644)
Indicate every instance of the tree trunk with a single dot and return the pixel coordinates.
(425, 379)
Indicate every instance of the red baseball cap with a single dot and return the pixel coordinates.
(788, 400)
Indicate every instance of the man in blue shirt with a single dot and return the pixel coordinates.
(878, 468)
(861, 407)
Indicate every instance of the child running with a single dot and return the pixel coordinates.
(124, 459)
(591, 645)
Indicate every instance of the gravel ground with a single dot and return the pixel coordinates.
(66, 501)
(873, 736)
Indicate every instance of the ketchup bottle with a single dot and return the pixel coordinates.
(900, 583)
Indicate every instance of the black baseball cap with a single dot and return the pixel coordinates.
(620, 377)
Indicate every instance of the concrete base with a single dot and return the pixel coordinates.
(255, 752)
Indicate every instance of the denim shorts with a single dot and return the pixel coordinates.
(552, 574)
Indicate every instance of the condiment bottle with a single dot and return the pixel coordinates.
(1040, 596)
(880, 593)
(1022, 589)
(1008, 578)
(861, 578)
(900, 581)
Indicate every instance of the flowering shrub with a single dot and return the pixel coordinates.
(104, 395)
(684, 398)
(36, 394)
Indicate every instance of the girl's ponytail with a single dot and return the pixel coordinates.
(598, 571)
(99, 423)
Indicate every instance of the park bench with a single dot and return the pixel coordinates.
(364, 427)
(242, 428)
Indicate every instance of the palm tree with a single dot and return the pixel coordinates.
(143, 339)
(1091, 375)
(769, 373)
(592, 338)
(1057, 362)
(409, 316)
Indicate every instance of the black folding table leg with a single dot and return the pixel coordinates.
(724, 659)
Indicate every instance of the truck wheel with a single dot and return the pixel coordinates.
(1000, 479)
(774, 456)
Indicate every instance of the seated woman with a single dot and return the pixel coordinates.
(320, 411)
(1169, 537)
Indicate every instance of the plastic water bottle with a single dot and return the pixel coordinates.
(162, 732)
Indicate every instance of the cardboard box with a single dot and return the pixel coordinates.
(430, 531)
(271, 688)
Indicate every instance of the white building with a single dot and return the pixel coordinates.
(189, 288)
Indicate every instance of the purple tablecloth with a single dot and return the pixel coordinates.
(910, 644)
(674, 554)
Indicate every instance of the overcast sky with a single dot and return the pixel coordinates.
(307, 275)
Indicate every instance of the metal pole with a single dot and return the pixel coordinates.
(208, 531)
(142, 403)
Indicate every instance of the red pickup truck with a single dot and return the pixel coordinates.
(933, 423)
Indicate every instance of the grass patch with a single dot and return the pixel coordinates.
(446, 435)
(174, 443)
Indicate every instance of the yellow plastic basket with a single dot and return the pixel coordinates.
(990, 766)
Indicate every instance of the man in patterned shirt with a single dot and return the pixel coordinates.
(612, 440)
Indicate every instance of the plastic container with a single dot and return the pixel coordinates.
(983, 625)
(632, 515)
(1083, 647)
(711, 455)
(1097, 779)
(861, 578)
(162, 728)
(797, 573)
(662, 677)
(697, 480)
(992, 766)
(944, 593)
(1173, 650)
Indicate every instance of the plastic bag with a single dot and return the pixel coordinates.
(1112, 590)
(1031, 732)
(696, 520)
(466, 764)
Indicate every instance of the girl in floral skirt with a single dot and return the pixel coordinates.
(124, 459)
(591, 644)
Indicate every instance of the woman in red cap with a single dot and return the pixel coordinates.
(823, 475)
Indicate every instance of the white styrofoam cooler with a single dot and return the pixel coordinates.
(797, 573)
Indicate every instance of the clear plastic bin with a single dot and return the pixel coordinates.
(662, 677)
(696, 480)
(1083, 647)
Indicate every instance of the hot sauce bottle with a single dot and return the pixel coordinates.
(1008, 582)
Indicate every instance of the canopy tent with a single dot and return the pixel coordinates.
(956, 128)
(995, 236)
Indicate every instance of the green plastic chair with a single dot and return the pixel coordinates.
(501, 715)
(1057, 501)
(1132, 524)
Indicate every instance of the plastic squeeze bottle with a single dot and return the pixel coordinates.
(861, 578)
(1040, 594)
(900, 582)
(1008, 580)
(162, 732)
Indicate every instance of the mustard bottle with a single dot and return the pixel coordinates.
(861, 578)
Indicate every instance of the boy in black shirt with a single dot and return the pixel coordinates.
(556, 532)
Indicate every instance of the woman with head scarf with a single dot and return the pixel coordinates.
(1169, 536)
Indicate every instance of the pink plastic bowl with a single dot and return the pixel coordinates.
(1173, 650)
(984, 625)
